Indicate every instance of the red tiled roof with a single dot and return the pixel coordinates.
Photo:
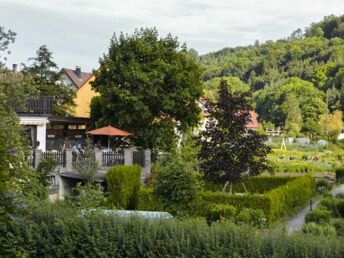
(253, 124)
(78, 82)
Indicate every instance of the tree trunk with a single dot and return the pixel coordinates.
(231, 188)
(225, 186)
(243, 185)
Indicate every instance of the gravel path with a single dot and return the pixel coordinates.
(298, 220)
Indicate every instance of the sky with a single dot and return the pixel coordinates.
(78, 32)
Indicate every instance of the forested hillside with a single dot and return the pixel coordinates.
(290, 77)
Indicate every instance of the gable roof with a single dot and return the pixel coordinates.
(78, 82)
(253, 123)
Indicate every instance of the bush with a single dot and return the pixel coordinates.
(176, 186)
(220, 212)
(339, 226)
(319, 216)
(148, 201)
(323, 186)
(251, 217)
(86, 196)
(340, 175)
(123, 184)
(319, 230)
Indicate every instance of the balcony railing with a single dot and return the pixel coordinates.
(40, 105)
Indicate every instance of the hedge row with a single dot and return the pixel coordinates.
(49, 235)
(276, 203)
(259, 184)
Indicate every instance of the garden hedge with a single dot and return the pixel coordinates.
(56, 235)
(123, 183)
(258, 184)
(276, 204)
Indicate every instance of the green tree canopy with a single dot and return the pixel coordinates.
(149, 86)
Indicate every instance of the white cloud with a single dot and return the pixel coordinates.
(78, 32)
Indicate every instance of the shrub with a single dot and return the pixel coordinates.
(254, 218)
(339, 226)
(322, 186)
(320, 216)
(176, 186)
(148, 201)
(86, 196)
(330, 204)
(220, 212)
(45, 168)
(123, 184)
(340, 175)
(319, 230)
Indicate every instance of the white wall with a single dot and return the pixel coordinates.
(41, 123)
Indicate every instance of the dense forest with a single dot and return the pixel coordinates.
(292, 79)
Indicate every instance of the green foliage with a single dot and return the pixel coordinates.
(152, 85)
(220, 212)
(252, 217)
(86, 196)
(323, 186)
(176, 185)
(257, 184)
(52, 232)
(293, 121)
(123, 184)
(148, 201)
(6, 38)
(340, 174)
(43, 70)
(44, 169)
(86, 166)
(228, 152)
(320, 216)
(319, 230)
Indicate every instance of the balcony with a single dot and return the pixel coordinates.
(35, 106)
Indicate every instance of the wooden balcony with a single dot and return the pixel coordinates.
(35, 106)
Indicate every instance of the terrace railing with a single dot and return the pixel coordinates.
(58, 156)
(110, 159)
(40, 105)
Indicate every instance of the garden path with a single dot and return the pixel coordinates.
(298, 220)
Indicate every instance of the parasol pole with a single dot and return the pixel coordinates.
(108, 142)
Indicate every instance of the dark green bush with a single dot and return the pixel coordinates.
(339, 226)
(123, 184)
(323, 186)
(340, 175)
(176, 186)
(319, 216)
(254, 218)
(220, 212)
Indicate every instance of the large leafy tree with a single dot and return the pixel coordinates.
(45, 75)
(149, 86)
(229, 152)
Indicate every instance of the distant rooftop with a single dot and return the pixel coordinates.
(77, 79)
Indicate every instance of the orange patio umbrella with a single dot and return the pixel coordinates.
(109, 131)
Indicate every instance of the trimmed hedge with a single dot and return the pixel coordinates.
(340, 175)
(276, 204)
(259, 184)
(55, 235)
(123, 183)
(220, 212)
(299, 166)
